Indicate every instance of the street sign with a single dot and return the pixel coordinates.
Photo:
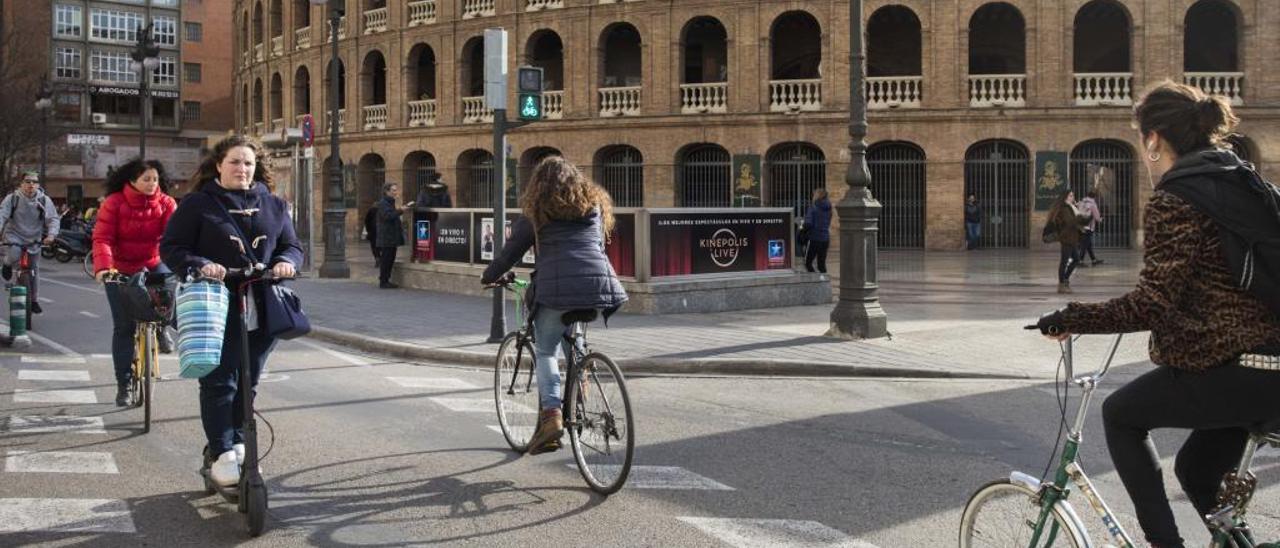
(88, 139)
(495, 69)
(308, 130)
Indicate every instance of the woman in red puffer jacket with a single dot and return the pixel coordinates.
(126, 239)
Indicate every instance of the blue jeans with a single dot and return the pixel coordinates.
(548, 335)
(221, 403)
(972, 233)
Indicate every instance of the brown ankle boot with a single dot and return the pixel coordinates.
(550, 429)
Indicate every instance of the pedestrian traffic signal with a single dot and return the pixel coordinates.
(529, 93)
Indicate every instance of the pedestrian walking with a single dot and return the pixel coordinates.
(389, 232)
(371, 232)
(1089, 206)
(231, 186)
(817, 224)
(1064, 221)
(434, 194)
(972, 222)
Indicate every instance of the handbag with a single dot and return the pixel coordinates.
(202, 307)
(282, 308)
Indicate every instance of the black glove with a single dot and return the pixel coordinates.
(1050, 324)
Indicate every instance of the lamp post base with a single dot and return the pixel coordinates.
(854, 320)
(335, 245)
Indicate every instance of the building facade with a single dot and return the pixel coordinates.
(97, 92)
(728, 103)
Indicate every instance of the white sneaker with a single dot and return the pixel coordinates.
(225, 471)
(239, 449)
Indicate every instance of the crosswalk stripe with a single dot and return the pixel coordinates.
(24, 395)
(88, 314)
(53, 359)
(52, 375)
(23, 424)
(774, 533)
(441, 383)
(60, 462)
(662, 477)
(65, 516)
(465, 405)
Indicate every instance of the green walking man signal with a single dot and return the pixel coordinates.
(529, 93)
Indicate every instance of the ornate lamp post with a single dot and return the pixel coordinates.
(44, 103)
(335, 211)
(858, 314)
(146, 56)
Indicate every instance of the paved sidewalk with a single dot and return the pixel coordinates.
(951, 315)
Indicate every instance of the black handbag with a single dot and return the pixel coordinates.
(282, 313)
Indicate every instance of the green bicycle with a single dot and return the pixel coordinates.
(1024, 512)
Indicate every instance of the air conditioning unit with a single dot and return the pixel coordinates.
(98, 118)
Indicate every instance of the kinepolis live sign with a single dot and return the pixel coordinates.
(685, 243)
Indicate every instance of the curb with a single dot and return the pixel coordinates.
(663, 366)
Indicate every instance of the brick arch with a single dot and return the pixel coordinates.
(1246, 12)
(919, 7)
(970, 7)
(1131, 8)
(723, 17)
(639, 22)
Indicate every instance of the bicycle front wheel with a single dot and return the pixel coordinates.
(1003, 514)
(150, 362)
(24, 280)
(601, 428)
(515, 391)
(88, 264)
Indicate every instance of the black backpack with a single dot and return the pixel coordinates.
(1246, 210)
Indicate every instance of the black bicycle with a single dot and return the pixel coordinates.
(597, 409)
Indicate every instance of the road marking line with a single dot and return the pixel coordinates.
(65, 516)
(661, 477)
(43, 340)
(465, 405)
(442, 383)
(74, 286)
(771, 533)
(21, 424)
(352, 360)
(53, 359)
(100, 356)
(86, 313)
(272, 377)
(60, 462)
(23, 395)
(47, 375)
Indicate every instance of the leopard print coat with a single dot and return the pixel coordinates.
(1186, 295)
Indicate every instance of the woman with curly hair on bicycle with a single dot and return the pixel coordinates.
(567, 219)
(126, 239)
(1215, 345)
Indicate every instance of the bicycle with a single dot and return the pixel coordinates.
(1023, 511)
(150, 319)
(597, 408)
(24, 276)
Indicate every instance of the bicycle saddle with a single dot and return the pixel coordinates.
(584, 315)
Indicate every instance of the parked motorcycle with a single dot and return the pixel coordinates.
(72, 244)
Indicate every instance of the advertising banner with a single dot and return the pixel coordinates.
(621, 246)
(1051, 178)
(485, 248)
(452, 236)
(422, 241)
(711, 243)
(746, 186)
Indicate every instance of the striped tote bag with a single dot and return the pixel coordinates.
(202, 323)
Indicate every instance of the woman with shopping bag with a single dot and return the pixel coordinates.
(229, 222)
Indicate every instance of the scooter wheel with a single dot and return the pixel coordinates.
(46, 252)
(62, 256)
(257, 515)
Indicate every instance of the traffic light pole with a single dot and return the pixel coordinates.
(498, 322)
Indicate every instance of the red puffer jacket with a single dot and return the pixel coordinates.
(127, 234)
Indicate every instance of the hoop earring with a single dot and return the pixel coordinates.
(1153, 156)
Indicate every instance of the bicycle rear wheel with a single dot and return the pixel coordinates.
(1003, 514)
(515, 392)
(24, 280)
(601, 428)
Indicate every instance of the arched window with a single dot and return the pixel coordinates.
(704, 46)
(704, 176)
(894, 59)
(421, 81)
(302, 91)
(1211, 49)
(795, 43)
(545, 50)
(475, 175)
(898, 183)
(371, 172)
(997, 56)
(246, 112)
(472, 77)
(795, 170)
(373, 79)
(258, 107)
(622, 58)
(998, 172)
(419, 167)
(301, 14)
(277, 19)
(620, 170)
(277, 101)
(528, 161)
(1106, 169)
(259, 24)
(1101, 47)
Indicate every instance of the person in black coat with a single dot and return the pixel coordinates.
(567, 217)
(434, 194)
(232, 186)
(390, 233)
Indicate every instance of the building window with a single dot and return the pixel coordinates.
(66, 63)
(68, 21)
(191, 111)
(115, 25)
(66, 106)
(165, 30)
(193, 31)
(165, 73)
(119, 109)
(111, 66)
(170, 3)
(191, 73)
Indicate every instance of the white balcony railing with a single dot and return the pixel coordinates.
(885, 92)
(302, 38)
(422, 113)
(277, 46)
(257, 52)
(297, 120)
(258, 127)
(375, 20)
(277, 124)
(246, 57)
(375, 117)
(342, 120)
(474, 111)
(620, 101)
(1093, 89)
(704, 98)
(342, 28)
(479, 8)
(422, 12)
(536, 5)
(1226, 84)
(795, 95)
(997, 90)
(553, 104)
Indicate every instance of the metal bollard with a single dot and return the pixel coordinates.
(18, 317)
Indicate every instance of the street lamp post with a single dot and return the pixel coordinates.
(44, 103)
(858, 314)
(146, 56)
(335, 212)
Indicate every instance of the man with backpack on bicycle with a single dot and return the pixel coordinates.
(27, 215)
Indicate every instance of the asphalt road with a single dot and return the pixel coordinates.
(366, 453)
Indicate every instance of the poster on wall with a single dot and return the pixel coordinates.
(487, 244)
(621, 245)
(746, 184)
(452, 237)
(712, 243)
(1051, 178)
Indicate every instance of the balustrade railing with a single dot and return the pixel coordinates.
(257, 52)
(276, 124)
(1094, 89)
(795, 95)
(375, 117)
(342, 121)
(997, 90)
(704, 98)
(479, 8)
(553, 104)
(624, 101)
(258, 127)
(342, 28)
(277, 46)
(422, 113)
(302, 38)
(474, 111)
(422, 12)
(886, 92)
(1226, 84)
(536, 5)
(375, 20)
